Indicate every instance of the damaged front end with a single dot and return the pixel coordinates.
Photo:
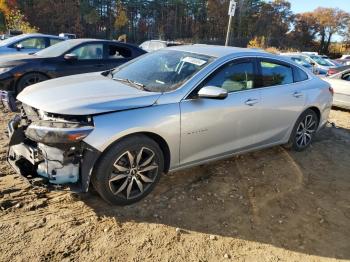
(51, 146)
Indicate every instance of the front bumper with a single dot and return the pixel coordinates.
(64, 168)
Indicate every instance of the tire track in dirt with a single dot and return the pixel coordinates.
(284, 160)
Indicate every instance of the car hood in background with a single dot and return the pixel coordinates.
(85, 94)
(16, 59)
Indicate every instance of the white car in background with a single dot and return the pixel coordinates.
(154, 45)
(345, 59)
(341, 86)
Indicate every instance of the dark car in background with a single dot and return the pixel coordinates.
(70, 57)
(27, 43)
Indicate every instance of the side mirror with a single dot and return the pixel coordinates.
(19, 47)
(70, 57)
(312, 63)
(212, 92)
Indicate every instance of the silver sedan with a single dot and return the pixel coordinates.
(165, 111)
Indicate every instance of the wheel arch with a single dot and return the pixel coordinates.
(155, 137)
(317, 112)
(28, 73)
(313, 108)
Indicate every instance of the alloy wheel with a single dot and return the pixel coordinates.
(305, 131)
(133, 172)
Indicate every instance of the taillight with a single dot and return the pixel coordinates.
(331, 90)
(331, 71)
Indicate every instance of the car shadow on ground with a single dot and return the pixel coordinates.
(299, 201)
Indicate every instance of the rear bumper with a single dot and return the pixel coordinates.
(35, 162)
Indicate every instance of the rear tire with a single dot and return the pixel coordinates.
(30, 79)
(303, 131)
(129, 170)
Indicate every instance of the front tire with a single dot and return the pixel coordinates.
(304, 131)
(129, 170)
(30, 79)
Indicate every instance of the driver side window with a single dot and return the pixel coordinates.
(234, 76)
(33, 43)
(89, 51)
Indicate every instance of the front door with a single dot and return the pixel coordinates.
(89, 59)
(215, 127)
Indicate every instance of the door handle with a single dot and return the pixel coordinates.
(297, 94)
(251, 102)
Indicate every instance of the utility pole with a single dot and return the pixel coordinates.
(231, 13)
(228, 31)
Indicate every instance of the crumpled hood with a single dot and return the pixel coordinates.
(85, 94)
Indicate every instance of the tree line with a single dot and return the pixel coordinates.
(257, 23)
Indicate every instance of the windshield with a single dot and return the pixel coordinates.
(319, 60)
(162, 71)
(57, 49)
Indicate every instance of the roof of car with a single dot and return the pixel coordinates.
(38, 34)
(214, 50)
(83, 40)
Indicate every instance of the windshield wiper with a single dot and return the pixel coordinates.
(135, 83)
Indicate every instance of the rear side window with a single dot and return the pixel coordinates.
(299, 75)
(115, 52)
(273, 74)
(233, 77)
(54, 41)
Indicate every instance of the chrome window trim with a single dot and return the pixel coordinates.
(227, 60)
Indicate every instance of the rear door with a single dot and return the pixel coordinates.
(215, 127)
(282, 99)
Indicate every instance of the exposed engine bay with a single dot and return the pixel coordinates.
(51, 147)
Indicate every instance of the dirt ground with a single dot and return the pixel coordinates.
(271, 205)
